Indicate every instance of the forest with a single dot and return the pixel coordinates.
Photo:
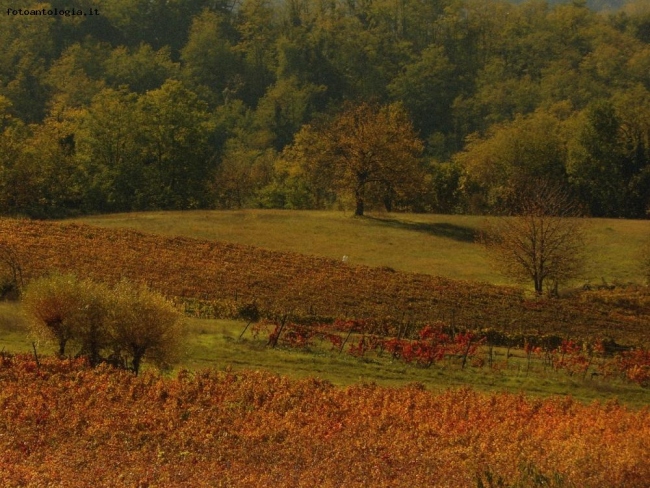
(442, 106)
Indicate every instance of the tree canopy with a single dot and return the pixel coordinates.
(197, 103)
(371, 152)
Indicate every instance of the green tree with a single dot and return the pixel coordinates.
(14, 186)
(45, 177)
(27, 48)
(425, 87)
(633, 111)
(374, 153)
(305, 178)
(110, 152)
(257, 28)
(158, 23)
(76, 76)
(594, 161)
(141, 69)
(210, 63)
(285, 107)
(531, 147)
(177, 150)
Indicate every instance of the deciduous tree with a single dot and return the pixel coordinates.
(374, 153)
(542, 240)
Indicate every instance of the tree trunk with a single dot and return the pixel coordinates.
(539, 288)
(359, 194)
(138, 354)
(388, 203)
(359, 209)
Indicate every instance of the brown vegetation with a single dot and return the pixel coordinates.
(217, 279)
(66, 425)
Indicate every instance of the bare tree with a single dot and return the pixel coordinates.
(11, 273)
(541, 240)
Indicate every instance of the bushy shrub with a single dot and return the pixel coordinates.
(144, 325)
(59, 308)
(125, 324)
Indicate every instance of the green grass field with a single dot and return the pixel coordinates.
(440, 245)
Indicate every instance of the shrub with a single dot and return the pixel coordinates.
(64, 309)
(11, 275)
(144, 325)
(124, 325)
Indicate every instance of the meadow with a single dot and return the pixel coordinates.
(439, 245)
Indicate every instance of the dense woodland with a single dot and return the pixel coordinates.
(184, 104)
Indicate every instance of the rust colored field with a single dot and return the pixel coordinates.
(216, 279)
(65, 425)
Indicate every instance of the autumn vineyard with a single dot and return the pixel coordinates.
(65, 424)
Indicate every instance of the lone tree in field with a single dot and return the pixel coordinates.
(541, 240)
(372, 152)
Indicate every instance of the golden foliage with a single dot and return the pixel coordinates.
(65, 425)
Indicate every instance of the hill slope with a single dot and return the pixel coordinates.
(439, 245)
(216, 279)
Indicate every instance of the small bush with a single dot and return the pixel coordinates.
(144, 325)
(58, 307)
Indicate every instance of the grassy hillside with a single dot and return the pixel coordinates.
(216, 344)
(439, 245)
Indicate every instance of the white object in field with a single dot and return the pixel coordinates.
(345, 259)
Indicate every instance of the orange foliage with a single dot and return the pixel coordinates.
(66, 425)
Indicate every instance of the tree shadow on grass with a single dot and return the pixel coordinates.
(448, 231)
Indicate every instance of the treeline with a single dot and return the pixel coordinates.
(196, 104)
